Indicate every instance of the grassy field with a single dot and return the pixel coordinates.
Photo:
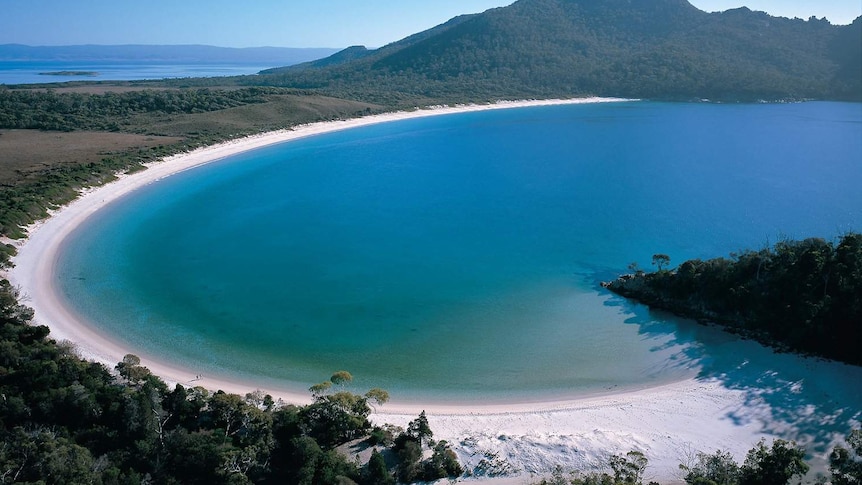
(280, 111)
(25, 154)
(41, 169)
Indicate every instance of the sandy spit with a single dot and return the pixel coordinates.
(521, 442)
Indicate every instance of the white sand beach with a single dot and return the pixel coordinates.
(752, 393)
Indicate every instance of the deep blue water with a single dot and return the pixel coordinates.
(28, 72)
(458, 257)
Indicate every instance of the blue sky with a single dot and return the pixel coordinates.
(286, 23)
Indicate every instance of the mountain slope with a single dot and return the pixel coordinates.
(636, 48)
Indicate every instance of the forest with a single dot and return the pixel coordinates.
(803, 296)
(48, 110)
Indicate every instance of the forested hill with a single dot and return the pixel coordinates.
(660, 49)
(805, 295)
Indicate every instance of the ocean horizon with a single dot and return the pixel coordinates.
(34, 72)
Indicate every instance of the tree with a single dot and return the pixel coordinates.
(419, 428)
(31, 456)
(193, 457)
(335, 419)
(409, 453)
(318, 390)
(628, 469)
(846, 465)
(377, 395)
(775, 466)
(718, 469)
(660, 260)
(229, 412)
(131, 369)
(341, 378)
(443, 463)
(377, 473)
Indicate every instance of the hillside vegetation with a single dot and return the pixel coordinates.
(805, 296)
(660, 49)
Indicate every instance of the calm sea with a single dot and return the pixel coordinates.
(458, 257)
(28, 72)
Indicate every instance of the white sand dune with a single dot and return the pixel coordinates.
(731, 405)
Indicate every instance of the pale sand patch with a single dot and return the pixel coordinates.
(667, 423)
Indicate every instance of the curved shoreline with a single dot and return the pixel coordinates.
(38, 253)
(666, 421)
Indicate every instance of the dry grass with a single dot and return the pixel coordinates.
(281, 111)
(24, 152)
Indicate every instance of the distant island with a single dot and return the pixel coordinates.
(70, 73)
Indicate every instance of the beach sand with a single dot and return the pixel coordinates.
(728, 406)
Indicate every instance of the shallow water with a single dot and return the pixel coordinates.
(457, 257)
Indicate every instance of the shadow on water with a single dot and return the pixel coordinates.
(808, 400)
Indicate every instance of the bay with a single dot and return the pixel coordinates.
(38, 72)
(458, 257)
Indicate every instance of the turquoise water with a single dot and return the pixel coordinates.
(458, 257)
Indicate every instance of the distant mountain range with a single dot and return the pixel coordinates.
(273, 56)
(665, 49)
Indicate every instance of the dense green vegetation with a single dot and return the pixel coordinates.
(778, 464)
(64, 420)
(46, 110)
(661, 49)
(802, 295)
(29, 200)
(68, 421)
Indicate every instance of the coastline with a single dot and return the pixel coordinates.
(667, 422)
(37, 254)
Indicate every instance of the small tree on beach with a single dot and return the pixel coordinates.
(660, 260)
(131, 369)
(377, 395)
(320, 389)
(419, 428)
(341, 378)
(628, 468)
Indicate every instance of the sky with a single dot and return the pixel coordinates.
(287, 23)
